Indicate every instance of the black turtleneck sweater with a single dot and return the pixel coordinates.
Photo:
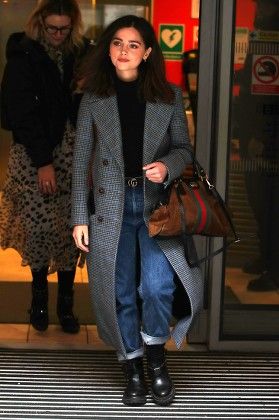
(132, 114)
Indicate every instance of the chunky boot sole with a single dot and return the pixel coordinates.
(167, 399)
(137, 400)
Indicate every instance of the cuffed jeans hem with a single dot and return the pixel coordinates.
(155, 340)
(132, 355)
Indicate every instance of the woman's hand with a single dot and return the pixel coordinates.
(80, 235)
(47, 179)
(156, 172)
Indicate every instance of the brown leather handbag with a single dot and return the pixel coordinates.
(191, 205)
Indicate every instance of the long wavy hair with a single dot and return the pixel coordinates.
(46, 8)
(95, 73)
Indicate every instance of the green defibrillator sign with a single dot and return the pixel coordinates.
(172, 41)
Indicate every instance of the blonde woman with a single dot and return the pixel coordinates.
(39, 107)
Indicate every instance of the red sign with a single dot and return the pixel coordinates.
(265, 77)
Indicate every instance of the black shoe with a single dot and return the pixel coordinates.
(162, 388)
(67, 319)
(136, 389)
(39, 309)
(265, 283)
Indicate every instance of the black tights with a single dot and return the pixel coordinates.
(65, 280)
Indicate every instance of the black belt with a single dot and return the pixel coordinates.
(134, 182)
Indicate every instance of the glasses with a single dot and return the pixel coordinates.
(52, 30)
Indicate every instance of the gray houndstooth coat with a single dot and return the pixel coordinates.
(166, 139)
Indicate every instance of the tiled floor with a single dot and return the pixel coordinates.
(25, 336)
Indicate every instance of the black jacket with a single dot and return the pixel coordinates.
(35, 103)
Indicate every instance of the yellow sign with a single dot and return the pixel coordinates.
(266, 36)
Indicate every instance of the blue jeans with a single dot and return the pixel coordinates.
(155, 286)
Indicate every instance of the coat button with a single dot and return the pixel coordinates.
(101, 190)
(105, 162)
(100, 218)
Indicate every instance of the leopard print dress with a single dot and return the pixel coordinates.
(36, 225)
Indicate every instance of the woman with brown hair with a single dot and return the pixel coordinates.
(141, 143)
(39, 106)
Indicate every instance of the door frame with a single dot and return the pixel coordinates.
(216, 54)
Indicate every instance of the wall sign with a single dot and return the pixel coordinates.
(171, 41)
(265, 77)
(264, 36)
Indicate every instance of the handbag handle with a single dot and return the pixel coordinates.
(199, 172)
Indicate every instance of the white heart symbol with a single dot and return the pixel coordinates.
(171, 38)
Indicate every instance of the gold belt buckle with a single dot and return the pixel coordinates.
(132, 182)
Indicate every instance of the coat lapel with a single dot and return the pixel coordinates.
(157, 119)
(106, 118)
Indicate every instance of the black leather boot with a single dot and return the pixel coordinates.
(162, 388)
(67, 319)
(65, 301)
(39, 309)
(136, 389)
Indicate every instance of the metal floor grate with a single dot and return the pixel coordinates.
(89, 385)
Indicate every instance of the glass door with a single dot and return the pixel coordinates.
(244, 293)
